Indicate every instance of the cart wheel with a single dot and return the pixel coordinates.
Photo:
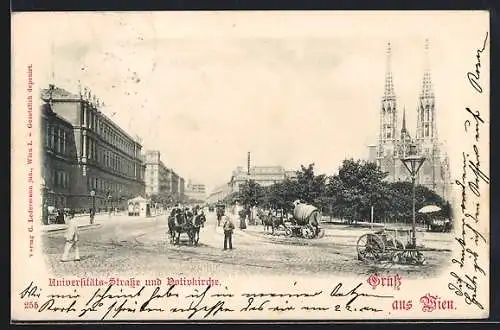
(396, 257)
(288, 232)
(321, 233)
(307, 232)
(370, 247)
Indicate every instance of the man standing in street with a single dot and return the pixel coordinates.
(92, 215)
(71, 238)
(228, 233)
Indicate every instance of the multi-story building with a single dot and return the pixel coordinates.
(392, 147)
(108, 162)
(195, 191)
(58, 158)
(182, 188)
(263, 175)
(219, 193)
(174, 184)
(157, 176)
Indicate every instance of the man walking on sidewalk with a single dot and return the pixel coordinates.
(71, 238)
(228, 233)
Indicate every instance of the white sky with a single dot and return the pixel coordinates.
(293, 88)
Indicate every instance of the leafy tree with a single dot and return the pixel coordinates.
(310, 186)
(355, 189)
(251, 193)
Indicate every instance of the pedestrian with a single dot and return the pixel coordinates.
(228, 233)
(92, 215)
(71, 238)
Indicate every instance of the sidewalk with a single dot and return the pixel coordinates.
(99, 219)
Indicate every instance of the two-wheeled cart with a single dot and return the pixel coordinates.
(393, 245)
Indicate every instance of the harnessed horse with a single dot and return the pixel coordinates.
(270, 221)
(179, 223)
(198, 222)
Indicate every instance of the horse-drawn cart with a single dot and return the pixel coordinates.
(305, 222)
(389, 245)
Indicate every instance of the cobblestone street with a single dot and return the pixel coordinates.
(140, 246)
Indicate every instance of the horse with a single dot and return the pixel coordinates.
(178, 223)
(198, 222)
(220, 214)
(270, 221)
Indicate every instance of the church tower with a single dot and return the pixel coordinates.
(388, 117)
(431, 173)
(426, 111)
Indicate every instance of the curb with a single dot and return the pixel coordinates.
(86, 226)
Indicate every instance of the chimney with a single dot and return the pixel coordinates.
(248, 163)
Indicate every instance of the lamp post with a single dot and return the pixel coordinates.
(413, 162)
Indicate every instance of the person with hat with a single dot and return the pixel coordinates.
(228, 233)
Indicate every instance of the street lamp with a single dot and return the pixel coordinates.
(413, 163)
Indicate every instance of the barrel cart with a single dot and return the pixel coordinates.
(393, 245)
(305, 222)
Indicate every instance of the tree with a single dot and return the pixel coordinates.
(355, 189)
(310, 186)
(251, 193)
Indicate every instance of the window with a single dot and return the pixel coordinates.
(65, 141)
(47, 135)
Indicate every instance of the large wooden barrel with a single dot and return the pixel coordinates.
(302, 212)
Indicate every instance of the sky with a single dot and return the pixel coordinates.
(205, 88)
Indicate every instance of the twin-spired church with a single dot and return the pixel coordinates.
(394, 142)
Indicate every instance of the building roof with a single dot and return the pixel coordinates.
(58, 94)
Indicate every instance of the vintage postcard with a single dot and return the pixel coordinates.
(211, 166)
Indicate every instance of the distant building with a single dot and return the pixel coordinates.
(104, 158)
(392, 147)
(157, 178)
(182, 188)
(263, 175)
(219, 193)
(195, 191)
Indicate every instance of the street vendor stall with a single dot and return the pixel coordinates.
(139, 206)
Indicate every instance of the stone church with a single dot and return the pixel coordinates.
(394, 143)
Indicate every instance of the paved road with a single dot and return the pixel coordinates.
(140, 246)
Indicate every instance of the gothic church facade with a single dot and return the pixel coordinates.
(394, 143)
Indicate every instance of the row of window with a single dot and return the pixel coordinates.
(110, 135)
(101, 186)
(58, 178)
(56, 139)
(110, 159)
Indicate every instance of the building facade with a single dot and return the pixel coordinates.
(263, 175)
(195, 191)
(394, 144)
(219, 193)
(157, 175)
(107, 161)
(58, 158)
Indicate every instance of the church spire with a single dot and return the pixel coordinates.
(427, 91)
(426, 112)
(403, 128)
(389, 85)
(388, 109)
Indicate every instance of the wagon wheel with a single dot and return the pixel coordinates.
(307, 232)
(321, 232)
(288, 232)
(370, 247)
